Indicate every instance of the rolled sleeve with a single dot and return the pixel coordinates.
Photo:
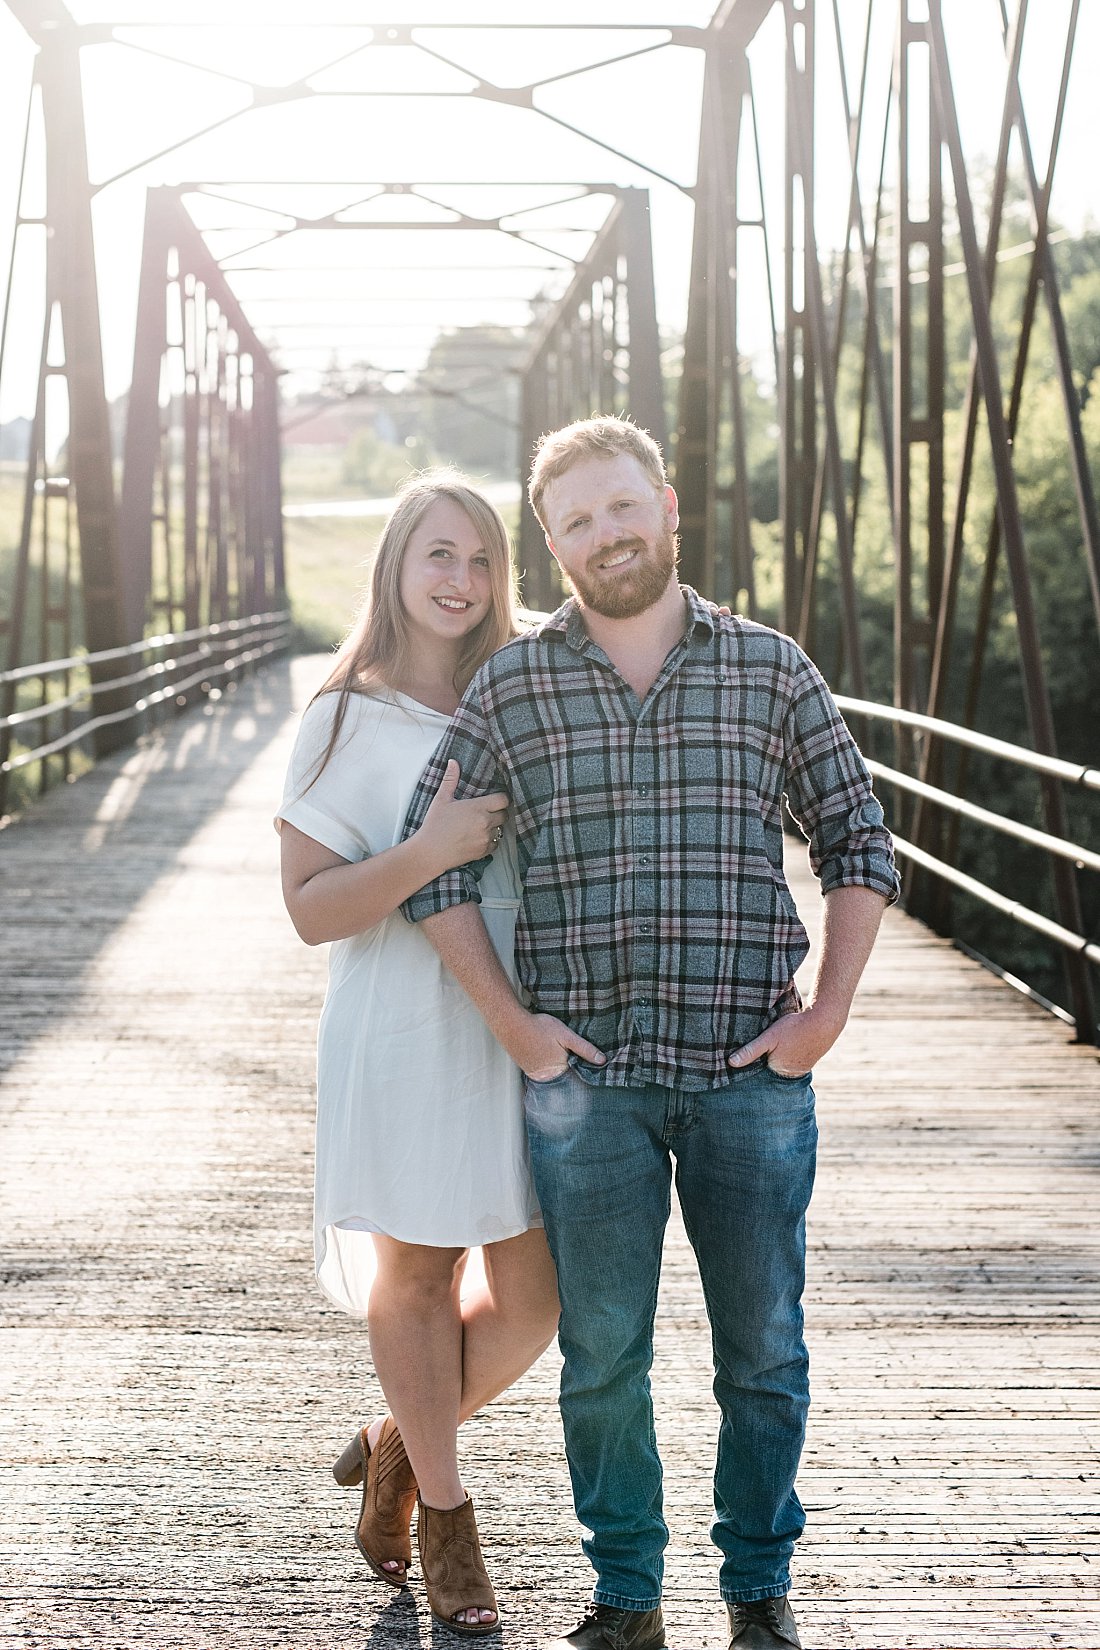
(469, 743)
(830, 795)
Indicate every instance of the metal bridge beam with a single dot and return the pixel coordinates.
(72, 287)
(597, 350)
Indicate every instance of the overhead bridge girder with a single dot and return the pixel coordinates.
(859, 375)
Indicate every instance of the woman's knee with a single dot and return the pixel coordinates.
(422, 1275)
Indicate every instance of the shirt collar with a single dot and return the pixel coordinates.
(567, 620)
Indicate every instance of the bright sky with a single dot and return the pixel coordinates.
(360, 294)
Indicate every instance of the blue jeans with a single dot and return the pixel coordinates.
(744, 1163)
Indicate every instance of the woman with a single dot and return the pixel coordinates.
(421, 1153)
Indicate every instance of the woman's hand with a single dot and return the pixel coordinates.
(330, 898)
(456, 832)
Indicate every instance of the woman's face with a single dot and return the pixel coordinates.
(444, 585)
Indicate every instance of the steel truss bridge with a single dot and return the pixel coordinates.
(148, 566)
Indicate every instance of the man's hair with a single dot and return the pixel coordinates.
(599, 437)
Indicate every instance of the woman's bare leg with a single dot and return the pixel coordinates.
(509, 1323)
(439, 1359)
(415, 1324)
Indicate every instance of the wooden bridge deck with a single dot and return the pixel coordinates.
(172, 1388)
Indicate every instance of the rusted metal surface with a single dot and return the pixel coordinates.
(127, 689)
(596, 349)
(202, 540)
(72, 352)
(822, 470)
(86, 558)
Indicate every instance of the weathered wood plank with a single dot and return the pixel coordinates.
(172, 1388)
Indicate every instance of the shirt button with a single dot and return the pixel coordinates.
(643, 790)
(644, 928)
(644, 860)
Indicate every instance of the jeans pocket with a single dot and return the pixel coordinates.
(786, 1076)
(544, 1082)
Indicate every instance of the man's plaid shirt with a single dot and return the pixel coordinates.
(655, 918)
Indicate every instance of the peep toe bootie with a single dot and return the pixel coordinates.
(389, 1496)
(452, 1566)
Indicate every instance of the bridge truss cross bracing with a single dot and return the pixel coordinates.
(162, 565)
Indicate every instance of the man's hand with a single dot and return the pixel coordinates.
(541, 1046)
(794, 1043)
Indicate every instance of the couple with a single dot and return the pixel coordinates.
(584, 886)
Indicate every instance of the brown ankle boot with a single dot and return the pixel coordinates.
(389, 1495)
(452, 1566)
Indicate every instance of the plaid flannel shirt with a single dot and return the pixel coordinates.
(655, 918)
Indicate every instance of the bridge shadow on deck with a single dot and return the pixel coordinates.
(79, 862)
(172, 1388)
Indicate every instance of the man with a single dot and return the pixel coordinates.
(646, 744)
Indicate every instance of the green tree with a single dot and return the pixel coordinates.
(469, 392)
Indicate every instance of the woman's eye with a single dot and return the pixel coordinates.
(481, 561)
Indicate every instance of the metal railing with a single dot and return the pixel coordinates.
(1076, 945)
(169, 668)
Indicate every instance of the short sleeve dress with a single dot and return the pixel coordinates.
(420, 1129)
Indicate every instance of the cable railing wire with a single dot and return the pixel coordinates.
(1070, 773)
(241, 642)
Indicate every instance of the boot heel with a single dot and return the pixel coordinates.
(348, 1468)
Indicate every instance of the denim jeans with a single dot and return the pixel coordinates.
(744, 1163)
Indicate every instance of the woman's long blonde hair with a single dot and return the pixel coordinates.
(377, 651)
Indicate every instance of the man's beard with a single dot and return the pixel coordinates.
(633, 592)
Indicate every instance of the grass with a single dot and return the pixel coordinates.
(327, 566)
(315, 472)
(328, 557)
(327, 560)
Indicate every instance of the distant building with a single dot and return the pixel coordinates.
(15, 440)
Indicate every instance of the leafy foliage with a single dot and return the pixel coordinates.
(1057, 575)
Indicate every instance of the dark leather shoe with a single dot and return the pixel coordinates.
(765, 1624)
(605, 1628)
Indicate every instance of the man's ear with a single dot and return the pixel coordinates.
(550, 547)
(672, 506)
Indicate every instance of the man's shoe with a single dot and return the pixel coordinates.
(765, 1624)
(606, 1628)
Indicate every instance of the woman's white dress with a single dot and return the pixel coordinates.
(420, 1128)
